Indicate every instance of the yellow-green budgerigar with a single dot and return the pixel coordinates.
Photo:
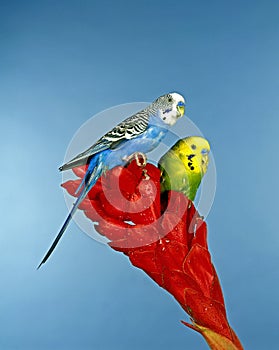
(184, 165)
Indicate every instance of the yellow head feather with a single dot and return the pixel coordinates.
(193, 152)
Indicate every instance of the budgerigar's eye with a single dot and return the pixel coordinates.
(193, 146)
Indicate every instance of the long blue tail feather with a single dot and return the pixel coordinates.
(63, 228)
(94, 171)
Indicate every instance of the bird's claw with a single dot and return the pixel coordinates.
(139, 157)
(146, 176)
(141, 161)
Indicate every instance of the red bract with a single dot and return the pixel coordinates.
(165, 237)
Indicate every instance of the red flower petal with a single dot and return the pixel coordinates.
(80, 171)
(71, 186)
(207, 312)
(198, 265)
(165, 237)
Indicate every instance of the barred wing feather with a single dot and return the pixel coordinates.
(128, 129)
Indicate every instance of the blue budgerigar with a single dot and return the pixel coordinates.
(141, 132)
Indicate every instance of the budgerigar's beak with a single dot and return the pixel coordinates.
(205, 159)
(181, 108)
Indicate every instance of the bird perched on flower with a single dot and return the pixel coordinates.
(141, 132)
(184, 165)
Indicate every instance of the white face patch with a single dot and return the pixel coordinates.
(170, 117)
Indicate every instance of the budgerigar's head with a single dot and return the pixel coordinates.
(170, 107)
(193, 151)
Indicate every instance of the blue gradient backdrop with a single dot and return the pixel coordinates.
(63, 61)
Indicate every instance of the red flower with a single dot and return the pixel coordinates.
(166, 238)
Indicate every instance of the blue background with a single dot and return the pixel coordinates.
(63, 61)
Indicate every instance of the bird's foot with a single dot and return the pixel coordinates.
(141, 161)
(146, 176)
(139, 157)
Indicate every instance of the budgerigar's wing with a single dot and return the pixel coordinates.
(126, 130)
